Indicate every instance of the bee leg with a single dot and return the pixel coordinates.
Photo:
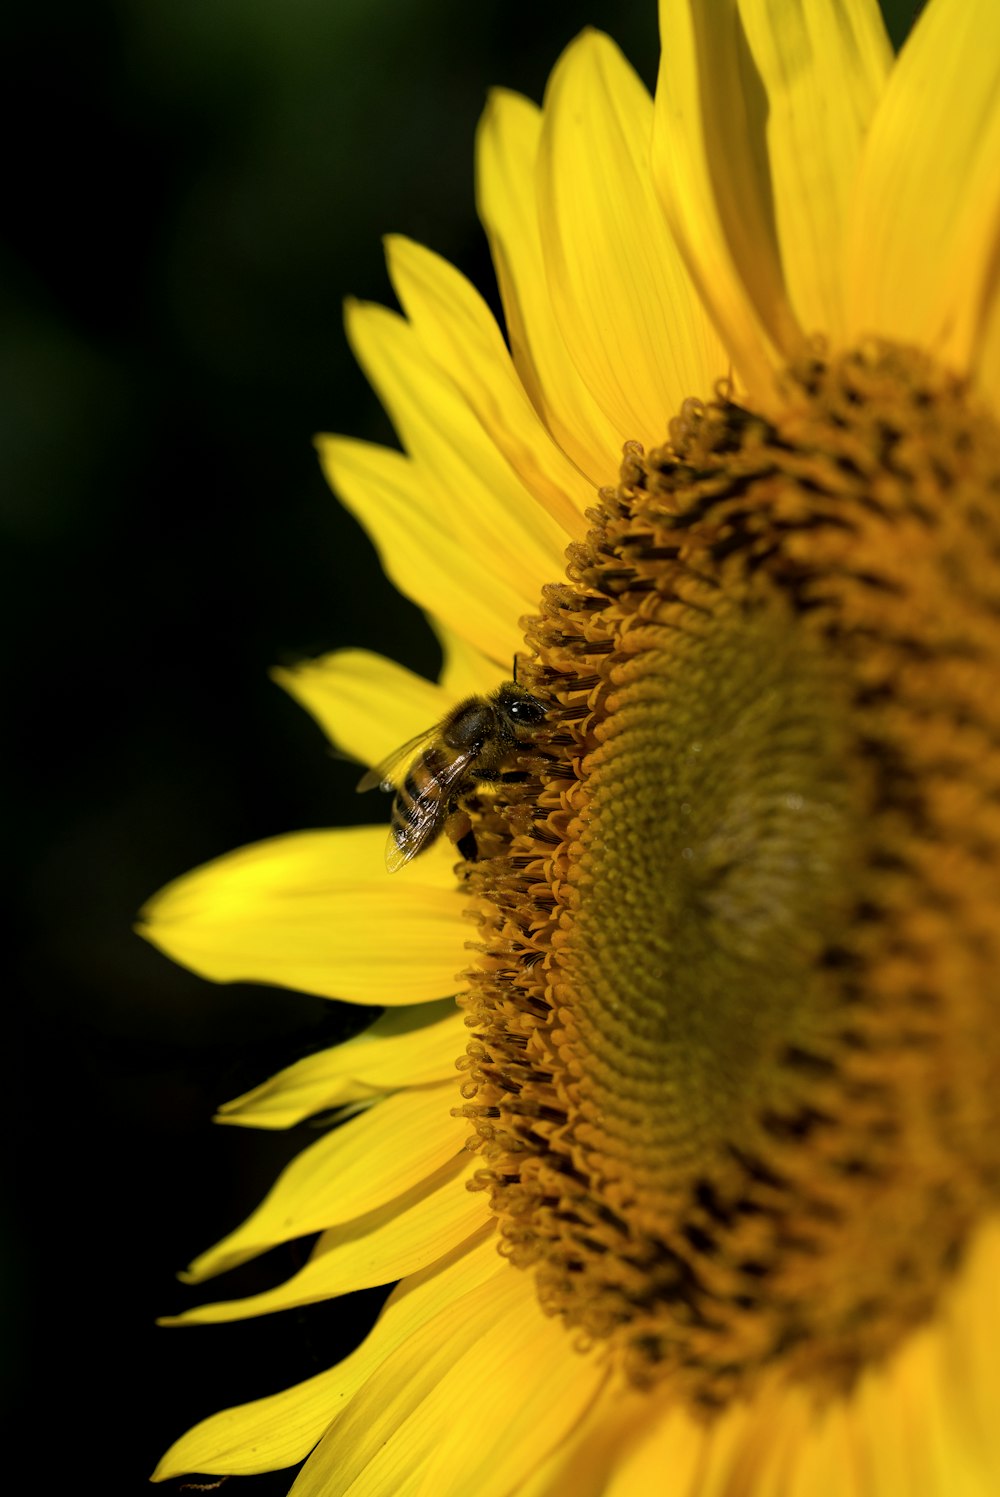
(468, 847)
(459, 831)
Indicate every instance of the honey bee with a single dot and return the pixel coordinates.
(467, 747)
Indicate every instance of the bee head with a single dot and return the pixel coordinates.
(519, 707)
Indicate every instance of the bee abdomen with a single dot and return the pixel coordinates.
(409, 790)
(421, 777)
(418, 788)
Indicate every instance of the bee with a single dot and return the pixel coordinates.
(467, 747)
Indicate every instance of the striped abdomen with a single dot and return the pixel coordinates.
(423, 798)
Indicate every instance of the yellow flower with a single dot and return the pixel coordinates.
(727, 1092)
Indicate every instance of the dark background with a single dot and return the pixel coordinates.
(191, 189)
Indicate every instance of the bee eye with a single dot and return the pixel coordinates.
(527, 711)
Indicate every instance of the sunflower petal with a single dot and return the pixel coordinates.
(465, 671)
(987, 363)
(506, 164)
(406, 1047)
(542, 1384)
(673, 1442)
(823, 68)
(500, 525)
(366, 705)
(352, 1170)
(309, 911)
(627, 309)
(922, 251)
(280, 1430)
(748, 1449)
(264, 1435)
(827, 1456)
(404, 1416)
(388, 1243)
(588, 1461)
(970, 1350)
(420, 550)
(459, 333)
(894, 1418)
(926, 1421)
(709, 163)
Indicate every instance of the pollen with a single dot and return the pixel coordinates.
(734, 1067)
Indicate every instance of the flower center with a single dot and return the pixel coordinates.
(735, 1071)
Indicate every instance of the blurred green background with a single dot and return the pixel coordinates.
(191, 189)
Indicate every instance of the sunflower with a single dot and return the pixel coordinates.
(695, 1188)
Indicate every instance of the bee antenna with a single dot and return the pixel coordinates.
(514, 672)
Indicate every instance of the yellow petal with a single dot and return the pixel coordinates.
(355, 1168)
(279, 1430)
(458, 331)
(828, 1455)
(506, 167)
(388, 1243)
(743, 1448)
(264, 1435)
(926, 1421)
(465, 671)
(675, 1443)
(316, 911)
(923, 246)
(626, 306)
(541, 1382)
(710, 166)
(419, 548)
(406, 1047)
(892, 1416)
(366, 705)
(478, 498)
(396, 1432)
(823, 68)
(747, 1449)
(589, 1461)
(987, 359)
(969, 1357)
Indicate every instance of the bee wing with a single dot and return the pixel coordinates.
(427, 814)
(402, 845)
(392, 769)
